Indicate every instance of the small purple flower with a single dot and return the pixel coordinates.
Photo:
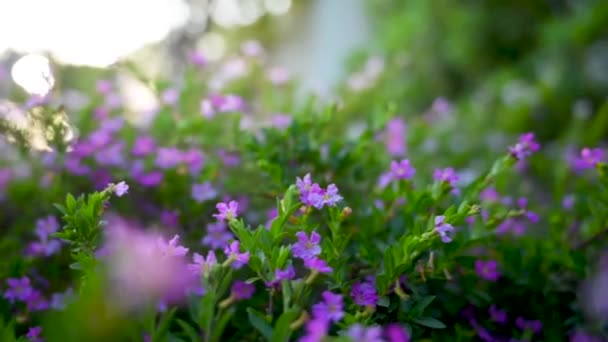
(316, 330)
(194, 159)
(111, 155)
(330, 309)
(168, 157)
(233, 253)
(227, 211)
(35, 302)
(568, 202)
(396, 333)
(242, 290)
(170, 218)
(18, 289)
(306, 248)
(589, 158)
(33, 334)
(143, 146)
(217, 236)
(287, 274)
(171, 249)
(364, 294)
(201, 264)
(446, 175)
(487, 270)
(497, 315)
(395, 137)
(197, 58)
(207, 108)
(442, 228)
(203, 192)
(359, 333)
(170, 96)
(402, 169)
(489, 195)
(318, 265)
(121, 189)
(304, 184)
(319, 197)
(524, 147)
(534, 326)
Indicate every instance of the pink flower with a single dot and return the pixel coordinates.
(233, 253)
(226, 211)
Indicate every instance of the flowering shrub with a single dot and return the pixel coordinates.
(211, 223)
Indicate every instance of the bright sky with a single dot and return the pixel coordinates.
(89, 32)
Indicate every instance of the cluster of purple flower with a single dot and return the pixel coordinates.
(524, 147)
(311, 194)
(45, 246)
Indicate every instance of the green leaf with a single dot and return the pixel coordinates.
(220, 325)
(282, 331)
(421, 305)
(430, 322)
(259, 322)
(188, 330)
(161, 331)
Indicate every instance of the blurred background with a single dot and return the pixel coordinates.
(510, 64)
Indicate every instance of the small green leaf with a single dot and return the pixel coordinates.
(282, 331)
(430, 322)
(259, 322)
(188, 330)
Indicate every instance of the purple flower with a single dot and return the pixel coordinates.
(306, 248)
(121, 189)
(203, 192)
(330, 309)
(170, 96)
(319, 197)
(364, 294)
(287, 274)
(489, 195)
(207, 108)
(74, 165)
(171, 249)
(497, 315)
(194, 159)
(304, 184)
(446, 175)
(217, 236)
(18, 289)
(318, 265)
(396, 333)
(197, 59)
(242, 290)
(589, 158)
(395, 137)
(359, 333)
(110, 155)
(534, 326)
(487, 270)
(104, 86)
(169, 218)
(238, 259)
(442, 228)
(402, 169)
(44, 228)
(33, 334)
(568, 202)
(582, 336)
(202, 264)
(35, 302)
(524, 147)
(226, 211)
(316, 330)
(143, 146)
(168, 157)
